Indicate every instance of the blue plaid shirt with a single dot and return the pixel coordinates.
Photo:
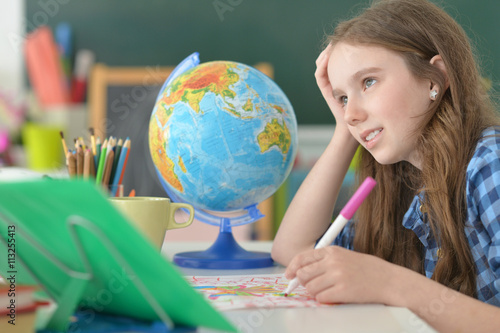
(482, 227)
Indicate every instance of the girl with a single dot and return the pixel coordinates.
(401, 81)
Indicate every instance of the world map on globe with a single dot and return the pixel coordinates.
(222, 136)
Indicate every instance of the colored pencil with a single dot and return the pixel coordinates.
(92, 140)
(108, 163)
(63, 142)
(88, 165)
(70, 157)
(92, 165)
(108, 167)
(125, 162)
(117, 157)
(102, 160)
(65, 147)
(120, 165)
(79, 161)
(97, 154)
(81, 142)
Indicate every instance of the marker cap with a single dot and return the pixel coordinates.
(358, 197)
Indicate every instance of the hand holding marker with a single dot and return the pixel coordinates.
(336, 227)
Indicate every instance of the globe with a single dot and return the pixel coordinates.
(222, 136)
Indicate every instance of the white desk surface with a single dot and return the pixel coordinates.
(372, 318)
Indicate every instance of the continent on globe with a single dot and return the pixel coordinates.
(275, 135)
(192, 87)
(222, 136)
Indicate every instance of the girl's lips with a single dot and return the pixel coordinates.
(373, 138)
(370, 134)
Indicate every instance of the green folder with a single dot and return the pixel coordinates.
(86, 255)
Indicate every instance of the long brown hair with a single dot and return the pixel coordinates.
(418, 30)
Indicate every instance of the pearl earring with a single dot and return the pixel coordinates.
(433, 94)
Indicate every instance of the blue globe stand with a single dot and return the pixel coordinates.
(225, 253)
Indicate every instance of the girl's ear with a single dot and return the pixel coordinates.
(439, 63)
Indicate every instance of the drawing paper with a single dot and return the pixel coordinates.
(233, 292)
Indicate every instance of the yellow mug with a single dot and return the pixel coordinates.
(152, 215)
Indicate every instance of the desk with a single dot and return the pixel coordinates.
(371, 318)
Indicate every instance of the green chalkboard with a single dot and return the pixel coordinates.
(286, 33)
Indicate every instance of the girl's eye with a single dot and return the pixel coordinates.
(343, 100)
(369, 82)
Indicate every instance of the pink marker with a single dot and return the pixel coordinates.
(336, 227)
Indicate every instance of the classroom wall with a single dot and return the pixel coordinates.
(287, 33)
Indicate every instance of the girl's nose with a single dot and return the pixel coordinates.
(354, 112)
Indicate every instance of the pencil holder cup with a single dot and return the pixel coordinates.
(152, 215)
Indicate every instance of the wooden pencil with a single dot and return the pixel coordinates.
(102, 160)
(81, 142)
(79, 161)
(119, 166)
(65, 147)
(87, 162)
(108, 166)
(97, 153)
(92, 140)
(63, 143)
(92, 165)
(71, 163)
(127, 146)
(117, 157)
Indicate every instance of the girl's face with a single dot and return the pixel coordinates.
(383, 101)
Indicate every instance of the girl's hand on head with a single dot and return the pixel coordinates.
(325, 87)
(336, 275)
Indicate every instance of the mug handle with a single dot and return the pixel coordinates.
(173, 208)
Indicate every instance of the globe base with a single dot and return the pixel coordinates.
(225, 253)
